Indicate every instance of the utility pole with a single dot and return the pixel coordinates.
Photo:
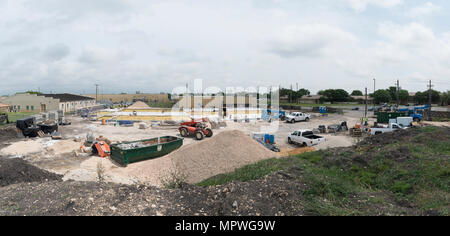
(430, 86)
(374, 83)
(398, 91)
(365, 110)
(96, 92)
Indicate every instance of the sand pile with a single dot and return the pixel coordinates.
(221, 154)
(44, 145)
(63, 146)
(22, 148)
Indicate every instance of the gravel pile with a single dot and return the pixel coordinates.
(220, 154)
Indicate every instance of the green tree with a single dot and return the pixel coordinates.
(335, 95)
(393, 93)
(382, 96)
(357, 93)
(422, 97)
(403, 96)
(302, 92)
(33, 92)
(445, 98)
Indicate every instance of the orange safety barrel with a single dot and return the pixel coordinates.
(103, 149)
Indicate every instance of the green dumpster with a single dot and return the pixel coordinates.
(131, 152)
(384, 117)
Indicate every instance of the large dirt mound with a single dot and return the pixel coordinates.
(220, 154)
(13, 171)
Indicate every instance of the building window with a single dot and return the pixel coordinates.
(18, 107)
(32, 108)
(28, 108)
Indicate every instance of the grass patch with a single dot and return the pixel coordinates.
(414, 170)
(249, 172)
(14, 116)
(161, 104)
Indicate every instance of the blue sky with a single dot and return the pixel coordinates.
(157, 45)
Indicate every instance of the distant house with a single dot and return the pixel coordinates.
(411, 97)
(5, 107)
(25, 102)
(310, 99)
(362, 99)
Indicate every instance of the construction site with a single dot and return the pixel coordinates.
(224, 108)
(232, 144)
(143, 146)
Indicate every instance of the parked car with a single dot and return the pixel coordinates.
(297, 116)
(305, 138)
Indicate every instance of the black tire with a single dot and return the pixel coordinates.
(210, 133)
(307, 119)
(289, 141)
(416, 119)
(293, 121)
(304, 145)
(183, 133)
(199, 135)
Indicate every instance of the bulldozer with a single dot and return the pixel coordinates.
(197, 129)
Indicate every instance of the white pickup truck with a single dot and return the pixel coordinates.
(391, 128)
(297, 116)
(305, 138)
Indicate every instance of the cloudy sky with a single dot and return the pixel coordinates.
(156, 45)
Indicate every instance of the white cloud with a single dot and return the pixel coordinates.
(427, 9)
(361, 5)
(309, 40)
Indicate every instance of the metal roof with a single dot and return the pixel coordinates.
(67, 97)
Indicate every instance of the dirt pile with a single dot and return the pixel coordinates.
(7, 133)
(13, 171)
(220, 154)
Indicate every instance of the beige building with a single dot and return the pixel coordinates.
(25, 102)
(123, 98)
(71, 102)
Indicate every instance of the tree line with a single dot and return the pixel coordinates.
(390, 95)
